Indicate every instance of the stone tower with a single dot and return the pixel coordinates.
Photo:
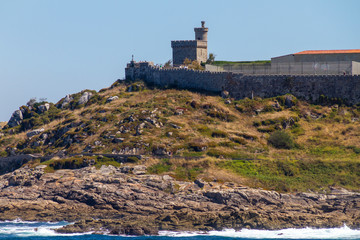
(191, 49)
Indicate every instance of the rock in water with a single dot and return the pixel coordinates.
(16, 119)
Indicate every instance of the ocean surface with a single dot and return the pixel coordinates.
(40, 230)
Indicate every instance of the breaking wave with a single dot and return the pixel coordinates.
(290, 233)
(45, 230)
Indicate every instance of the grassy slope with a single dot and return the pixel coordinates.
(226, 142)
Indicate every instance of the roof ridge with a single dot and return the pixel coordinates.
(328, 51)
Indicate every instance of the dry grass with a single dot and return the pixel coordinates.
(323, 139)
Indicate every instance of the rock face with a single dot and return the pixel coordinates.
(133, 203)
(34, 132)
(16, 119)
(85, 97)
(110, 99)
(43, 108)
(66, 101)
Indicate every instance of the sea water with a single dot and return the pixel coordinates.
(40, 230)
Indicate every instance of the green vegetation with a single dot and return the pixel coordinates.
(297, 175)
(163, 166)
(78, 162)
(281, 139)
(280, 143)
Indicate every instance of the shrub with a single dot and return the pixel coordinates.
(133, 159)
(223, 116)
(197, 145)
(219, 134)
(281, 139)
(163, 166)
(238, 140)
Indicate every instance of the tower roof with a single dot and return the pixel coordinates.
(328, 51)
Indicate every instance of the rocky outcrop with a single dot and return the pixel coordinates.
(43, 108)
(34, 132)
(85, 97)
(66, 101)
(127, 201)
(16, 119)
(110, 99)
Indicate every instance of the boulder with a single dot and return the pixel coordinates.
(43, 108)
(160, 151)
(179, 111)
(225, 94)
(34, 132)
(85, 97)
(139, 128)
(118, 140)
(175, 126)
(289, 101)
(139, 170)
(66, 101)
(16, 119)
(110, 99)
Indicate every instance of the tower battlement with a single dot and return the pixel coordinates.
(191, 49)
(188, 43)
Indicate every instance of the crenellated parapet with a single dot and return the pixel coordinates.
(188, 43)
(191, 49)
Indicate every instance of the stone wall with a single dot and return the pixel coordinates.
(191, 49)
(309, 87)
(291, 68)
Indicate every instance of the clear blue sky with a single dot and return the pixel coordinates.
(50, 48)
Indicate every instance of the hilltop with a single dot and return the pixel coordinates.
(179, 160)
(281, 143)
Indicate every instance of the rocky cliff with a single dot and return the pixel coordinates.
(125, 200)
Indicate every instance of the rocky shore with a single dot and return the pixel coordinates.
(127, 201)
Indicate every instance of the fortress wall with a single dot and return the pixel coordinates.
(308, 87)
(291, 68)
(188, 79)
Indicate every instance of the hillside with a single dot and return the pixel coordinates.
(281, 143)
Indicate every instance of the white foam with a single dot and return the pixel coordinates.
(26, 228)
(290, 233)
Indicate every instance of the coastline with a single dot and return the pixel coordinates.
(108, 200)
(22, 229)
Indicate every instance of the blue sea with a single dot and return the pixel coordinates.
(40, 230)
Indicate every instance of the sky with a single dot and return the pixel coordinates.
(51, 48)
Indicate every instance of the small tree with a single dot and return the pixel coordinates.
(281, 139)
(168, 64)
(196, 65)
(211, 58)
(31, 102)
(186, 62)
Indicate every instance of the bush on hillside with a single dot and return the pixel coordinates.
(281, 139)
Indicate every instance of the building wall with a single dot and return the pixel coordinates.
(356, 68)
(191, 49)
(298, 68)
(342, 57)
(309, 87)
(201, 54)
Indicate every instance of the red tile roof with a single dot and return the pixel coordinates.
(328, 51)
